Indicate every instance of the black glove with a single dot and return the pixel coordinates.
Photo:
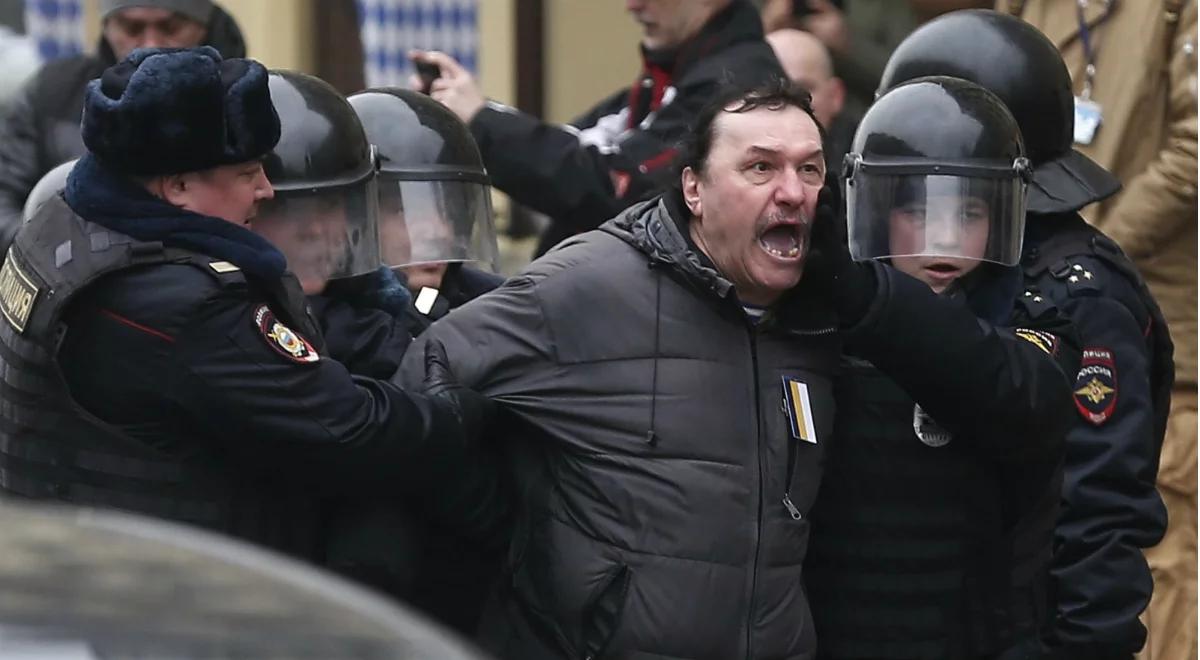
(471, 492)
(470, 409)
(849, 285)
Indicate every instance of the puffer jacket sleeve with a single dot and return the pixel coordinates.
(498, 344)
(1005, 388)
(1163, 196)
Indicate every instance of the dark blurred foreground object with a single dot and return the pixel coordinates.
(83, 583)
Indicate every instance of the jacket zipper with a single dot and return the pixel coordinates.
(787, 485)
(759, 514)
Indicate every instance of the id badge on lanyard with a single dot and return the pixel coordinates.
(1088, 113)
(1088, 116)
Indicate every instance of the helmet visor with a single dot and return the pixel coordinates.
(433, 222)
(325, 233)
(899, 215)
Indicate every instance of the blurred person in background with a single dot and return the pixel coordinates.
(41, 129)
(806, 62)
(19, 59)
(1134, 72)
(860, 34)
(620, 151)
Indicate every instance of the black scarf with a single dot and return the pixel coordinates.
(116, 203)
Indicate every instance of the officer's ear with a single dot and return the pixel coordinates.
(690, 182)
(171, 188)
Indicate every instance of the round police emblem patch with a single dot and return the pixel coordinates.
(282, 338)
(1096, 385)
(927, 430)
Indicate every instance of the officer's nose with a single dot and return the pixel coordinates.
(941, 229)
(264, 190)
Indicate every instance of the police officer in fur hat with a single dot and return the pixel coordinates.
(158, 356)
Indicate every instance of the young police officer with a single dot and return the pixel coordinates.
(932, 539)
(1122, 390)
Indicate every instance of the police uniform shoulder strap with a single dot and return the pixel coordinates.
(224, 273)
(1053, 252)
(62, 254)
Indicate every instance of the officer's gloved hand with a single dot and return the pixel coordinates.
(470, 409)
(381, 289)
(850, 285)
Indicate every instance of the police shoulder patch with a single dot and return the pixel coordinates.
(283, 339)
(1096, 385)
(1046, 341)
(18, 293)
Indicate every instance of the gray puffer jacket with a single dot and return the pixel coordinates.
(654, 450)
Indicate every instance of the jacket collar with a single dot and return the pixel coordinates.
(658, 229)
(103, 197)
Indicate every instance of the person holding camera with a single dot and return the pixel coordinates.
(620, 151)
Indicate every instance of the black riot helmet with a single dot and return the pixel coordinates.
(323, 216)
(1017, 63)
(434, 197)
(937, 168)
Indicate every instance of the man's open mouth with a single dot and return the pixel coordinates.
(783, 240)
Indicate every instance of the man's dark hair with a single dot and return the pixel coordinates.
(776, 94)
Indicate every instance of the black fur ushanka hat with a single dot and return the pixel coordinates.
(173, 110)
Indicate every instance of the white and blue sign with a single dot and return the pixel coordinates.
(390, 28)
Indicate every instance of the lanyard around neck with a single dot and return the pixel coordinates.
(1085, 37)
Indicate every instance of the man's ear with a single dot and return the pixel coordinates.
(691, 191)
(172, 188)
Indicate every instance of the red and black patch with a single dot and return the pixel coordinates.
(283, 339)
(1043, 340)
(1096, 385)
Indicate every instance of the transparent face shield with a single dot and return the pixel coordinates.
(980, 218)
(325, 234)
(436, 222)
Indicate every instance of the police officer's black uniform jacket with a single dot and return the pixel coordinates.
(171, 383)
(1122, 394)
(932, 539)
(621, 150)
(669, 450)
(386, 544)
